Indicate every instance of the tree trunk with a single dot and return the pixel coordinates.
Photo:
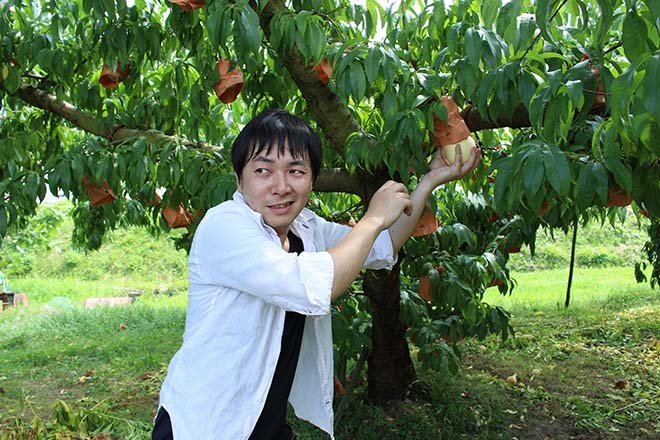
(390, 368)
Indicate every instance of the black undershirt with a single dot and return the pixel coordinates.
(272, 423)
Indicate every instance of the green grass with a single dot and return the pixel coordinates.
(107, 365)
(546, 289)
(81, 371)
(116, 356)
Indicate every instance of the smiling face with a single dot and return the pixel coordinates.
(277, 186)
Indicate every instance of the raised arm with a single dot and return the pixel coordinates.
(439, 173)
(388, 204)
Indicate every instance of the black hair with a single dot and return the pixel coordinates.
(280, 129)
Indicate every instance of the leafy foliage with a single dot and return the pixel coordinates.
(563, 96)
(652, 251)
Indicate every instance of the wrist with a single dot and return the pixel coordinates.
(427, 183)
(371, 223)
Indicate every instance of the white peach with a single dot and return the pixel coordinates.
(449, 151)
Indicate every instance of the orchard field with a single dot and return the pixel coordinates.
(587, 372)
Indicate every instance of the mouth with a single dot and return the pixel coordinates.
(280, 206)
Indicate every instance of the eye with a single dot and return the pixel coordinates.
(260, 171)
(297, 172)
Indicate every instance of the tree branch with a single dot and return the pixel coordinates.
(475, 122)
(91, 124)
(331, 115)
(329, 180)
(338, 180)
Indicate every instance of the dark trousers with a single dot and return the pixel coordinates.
(163, 427)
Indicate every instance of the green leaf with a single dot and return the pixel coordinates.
(493, 55)
(543, 14)
(502, 182)
(622, 90)
(213, 24)
(654, 7)
(604, 22)
(12, 78)
(301, 21)
(250, 30)
(575, 93)
(468, 76)
(601, 181)
(317, 41)
(651, 87)
(634, 37)
(358, 81)
(526, 87)
(78, 167)
(525, 35)
(489, 11)
(3, 221)
(557, 169)
(584, 191)
(470, 313)
(532, 176)
(452, 38)
(537, 107)
(372, 64)
(507, 21)
(473, 46)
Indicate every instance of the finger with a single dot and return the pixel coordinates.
(472, 162)
(459, 153)
(408, 209)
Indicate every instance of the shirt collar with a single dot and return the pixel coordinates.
(299, 226)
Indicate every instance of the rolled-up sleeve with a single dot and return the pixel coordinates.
(381, 255)
(231, 250)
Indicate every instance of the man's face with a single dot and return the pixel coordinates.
(277, 187)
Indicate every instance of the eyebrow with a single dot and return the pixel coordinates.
(298, 162)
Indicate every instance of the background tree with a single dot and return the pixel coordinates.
(120, 98)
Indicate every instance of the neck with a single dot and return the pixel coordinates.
(284, 239)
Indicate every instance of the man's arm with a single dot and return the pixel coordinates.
(349, 254)
(386, 211)
(439, 173)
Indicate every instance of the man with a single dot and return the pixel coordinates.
(263, 271)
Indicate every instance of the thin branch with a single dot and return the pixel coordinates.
(337, 180)
(355, 376)
(91, 124)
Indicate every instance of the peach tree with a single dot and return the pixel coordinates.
(124, 108)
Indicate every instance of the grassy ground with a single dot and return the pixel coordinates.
(591, 371)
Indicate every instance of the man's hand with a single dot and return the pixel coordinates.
(441, 172)
(388, 203)
(386, 206)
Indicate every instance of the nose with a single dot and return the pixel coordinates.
(280, 184)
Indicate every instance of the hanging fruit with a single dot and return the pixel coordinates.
(446, 135)
(324, 71)
(188, 5)
(425, 285)
(599, 101)
(177, 217)
(230, 84)
(98, 194)
(618, 197)
(427, 223)
(110, 78)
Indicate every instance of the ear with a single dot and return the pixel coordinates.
(239, 187)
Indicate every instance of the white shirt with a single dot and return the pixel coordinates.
(241, 283)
